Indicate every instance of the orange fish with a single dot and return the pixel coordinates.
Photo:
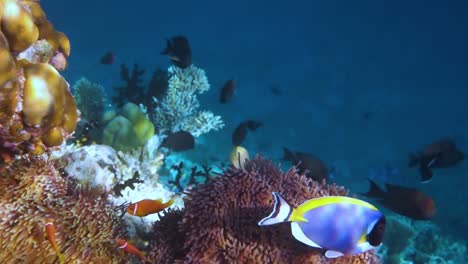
(50, 230)
(127, 247)
(147, 207)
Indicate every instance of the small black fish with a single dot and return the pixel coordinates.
(179, 141)
(178, 50)
(440, 154)
(108, 58)
(309, 164)
(227, 91)
(276, 90)
(241, 131)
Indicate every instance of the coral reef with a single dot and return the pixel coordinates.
(129, 130)
(37, 110)
(219, 221)
(179, 108)
(130, 176)
(156, 88)
(86, 222)
(90, 99)
(418, 242)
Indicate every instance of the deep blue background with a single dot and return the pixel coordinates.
(406, 62)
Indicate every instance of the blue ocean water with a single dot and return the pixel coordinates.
(363, 82)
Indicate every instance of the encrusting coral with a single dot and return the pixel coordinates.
(86, 223)
(179, 107)
(129, 130)
(219, 221)
(37, 110)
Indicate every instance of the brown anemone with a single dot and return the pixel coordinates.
(219, 222)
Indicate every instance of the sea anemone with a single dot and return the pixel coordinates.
(219, 222)
(86, 223)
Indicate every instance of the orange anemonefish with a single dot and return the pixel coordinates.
(338, 224)
(50, 230)
(146, 207)
(127, 247)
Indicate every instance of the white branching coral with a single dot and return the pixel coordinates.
(179, 108)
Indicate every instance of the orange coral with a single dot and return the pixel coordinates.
(86, 223)
(37, 109)
(219, 222)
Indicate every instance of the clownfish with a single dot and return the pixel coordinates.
(146, 207)
(127, 247)
(338, 224)
(50, 230)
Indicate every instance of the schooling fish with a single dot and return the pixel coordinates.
(406, 201)
(50, 230)
(178, 50)
(340, 225)
(241, 130)
(227, 91)
(108, 58)
(309, 164)
(440, 154)
(127, 247)
(147, 207)
(239, 155)
(179, 141)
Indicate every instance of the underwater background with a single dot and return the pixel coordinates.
(359, 84)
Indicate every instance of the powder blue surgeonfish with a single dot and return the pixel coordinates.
(338, 224)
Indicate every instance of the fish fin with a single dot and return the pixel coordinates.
(413, 160)
(300, 236)
(426, 173)
(363, 247)
(374, 191)
(281, 212)
(333, 254)
(168, 48)
(288, 155)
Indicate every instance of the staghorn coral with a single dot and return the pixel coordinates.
(37, 110)
(219, 222)
(86, 222)
(179, 108)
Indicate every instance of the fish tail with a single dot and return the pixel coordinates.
(169, 203)
(288, 154)
(413, 160)
(374, 191)
(281, 212)
(426, 173)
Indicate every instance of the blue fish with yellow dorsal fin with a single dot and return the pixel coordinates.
(340, 225)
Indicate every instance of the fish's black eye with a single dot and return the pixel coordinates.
(375, 237)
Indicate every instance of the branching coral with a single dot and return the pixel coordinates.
(86, 222)
(179, 108)
(219, 222)
(90, 99)
(37, 109)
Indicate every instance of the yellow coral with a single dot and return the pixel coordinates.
(37, 109)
